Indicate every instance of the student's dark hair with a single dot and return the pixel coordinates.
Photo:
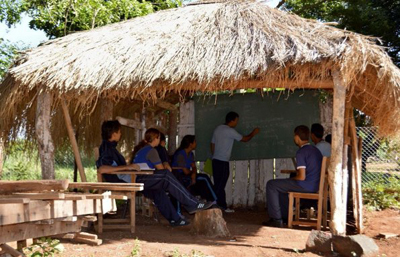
(162, 137)
(328, 138)
(317, 130)
(149, 136)
(186, 141)
(231, 116)
(108, 128)
(303, 132)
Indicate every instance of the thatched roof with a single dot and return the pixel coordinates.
(205, 47)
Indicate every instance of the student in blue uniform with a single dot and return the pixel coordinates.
(156, 185)
(309, 161)
(184, 168)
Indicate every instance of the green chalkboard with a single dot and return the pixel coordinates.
(276, 114)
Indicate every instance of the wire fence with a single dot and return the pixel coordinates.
(380, 157)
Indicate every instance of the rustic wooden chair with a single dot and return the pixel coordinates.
(131, 196)
(321, 196)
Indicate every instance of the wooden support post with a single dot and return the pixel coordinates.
(21, 245)
(132, 207)
(336, 176)
(43, 135)
(72, 138)
(173, 130)
(106, 109)
(356, 178)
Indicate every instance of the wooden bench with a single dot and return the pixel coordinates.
(118, 190)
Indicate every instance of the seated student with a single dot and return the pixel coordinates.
(162, 152)
(156, 185)
(309, 160)
(317, 133)
(184, 168)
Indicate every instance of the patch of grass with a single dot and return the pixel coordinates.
(44, 247)
(136, 249)
(21, 164)
(176, 253)
(382, 193)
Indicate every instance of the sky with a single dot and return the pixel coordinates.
(23, 36)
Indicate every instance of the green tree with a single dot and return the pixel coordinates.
(7, 53)
(61, 17)
(379, 18)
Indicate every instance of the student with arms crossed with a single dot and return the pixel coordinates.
(156, 185)
(221, 148)
(185, 170)
(309, 161)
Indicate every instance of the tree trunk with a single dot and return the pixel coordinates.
(336, 174)
(173, 130)
(45, 142)
(1, 156)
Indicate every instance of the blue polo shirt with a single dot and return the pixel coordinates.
(182, 159)
(309, 158)
(148, 155)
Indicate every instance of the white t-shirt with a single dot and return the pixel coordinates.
(223, 138)
(324, 147)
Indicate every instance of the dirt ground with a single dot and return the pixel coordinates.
(249, 238)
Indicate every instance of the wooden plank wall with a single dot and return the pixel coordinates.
(246, 187)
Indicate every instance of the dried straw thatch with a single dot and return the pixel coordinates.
(205, 47)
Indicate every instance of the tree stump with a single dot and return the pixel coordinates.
(210, 223)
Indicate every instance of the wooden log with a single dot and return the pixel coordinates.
(8, 249)
(72, 138)
(23, 231)
(167, 106)
(135, 124)
(32, 185)
(13, 200)
(43, 135)
(356, 179)
(210, 223)
(173, 131)
(335, 171)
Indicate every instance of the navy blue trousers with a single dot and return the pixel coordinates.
(156, 186)
(220, 175)
(278, 197)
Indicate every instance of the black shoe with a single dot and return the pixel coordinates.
(273, 223)
(200, 207)
(179, 223)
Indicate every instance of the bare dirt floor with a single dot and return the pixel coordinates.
(249, 238)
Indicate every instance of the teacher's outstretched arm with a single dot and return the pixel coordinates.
(251, 135)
